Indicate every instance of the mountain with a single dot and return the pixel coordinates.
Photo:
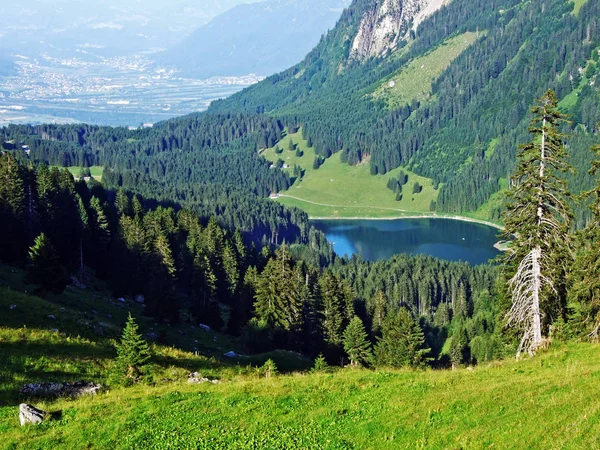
(261, 38)
(108, 28)
(442, 89)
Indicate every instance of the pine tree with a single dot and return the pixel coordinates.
(133, 352)
(12, 208)
(320, 364)
(402, 343)
(45, 270)
(539, 218)
(584, 295)
(356, 343)
(336, 307)
(379, 308)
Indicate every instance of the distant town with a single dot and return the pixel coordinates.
(128, 91)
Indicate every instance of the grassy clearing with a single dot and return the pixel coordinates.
(570, 100)
(414, 81)
(96, 171)
(339, 190)
(578, 5)
(547, 402)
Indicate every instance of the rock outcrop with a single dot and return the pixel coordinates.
(30, 414)
(73, 390)
(388, 23)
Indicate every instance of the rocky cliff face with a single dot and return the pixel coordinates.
(385, 25)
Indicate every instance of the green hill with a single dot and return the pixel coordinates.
(337, 189)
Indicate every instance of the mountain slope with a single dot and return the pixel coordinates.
(479, 101)
(260, 38)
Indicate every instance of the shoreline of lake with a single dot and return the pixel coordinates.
(416, 216)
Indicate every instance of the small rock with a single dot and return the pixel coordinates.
(51, 316)
(214, 339)
(196, 341)
(230, 354)
(140, 299)
(204, 327)
(121, 299)
(30, 414)
(11, 307)
(180, 332)
(62, 308)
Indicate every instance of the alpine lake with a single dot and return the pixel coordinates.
(449, 239)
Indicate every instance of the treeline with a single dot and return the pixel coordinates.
(191, 269)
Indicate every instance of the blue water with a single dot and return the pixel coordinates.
(448, 239)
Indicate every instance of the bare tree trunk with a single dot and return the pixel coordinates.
(535, 306)
(526, 287)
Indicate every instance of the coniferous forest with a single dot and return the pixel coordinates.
(179, 270)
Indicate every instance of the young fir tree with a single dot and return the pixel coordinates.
(356, 342)
(584, 295)
(133, 352)
(45, 269)
(402, 343)
(538, 217)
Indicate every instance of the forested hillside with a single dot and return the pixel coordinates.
(464, 135)
(188, 268)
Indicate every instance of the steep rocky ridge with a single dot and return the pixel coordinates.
(388, 22)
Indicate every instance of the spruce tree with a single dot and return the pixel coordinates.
(45, 269)
(356, 343)
(584, 295)
(133, 352)
(402, 343)
(538, 217)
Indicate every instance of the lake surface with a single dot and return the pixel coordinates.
(453, 240)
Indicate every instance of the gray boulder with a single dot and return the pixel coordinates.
(73, 390)
(30, 414)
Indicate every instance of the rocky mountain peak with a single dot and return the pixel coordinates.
(387, 23)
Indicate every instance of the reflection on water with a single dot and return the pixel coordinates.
(453, 240)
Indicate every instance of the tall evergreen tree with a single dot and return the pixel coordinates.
(538, 217)
(584, 295)
(356, 343)
(45, 269)
(402, 343)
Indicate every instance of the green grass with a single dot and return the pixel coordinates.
(337, 189)
(414, 81)
(570, 100)
(547, 402)
(96, 171)
(578, 5)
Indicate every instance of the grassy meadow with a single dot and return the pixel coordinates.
(96, 171)
(337, 189)
(414, 81)
(545, 402)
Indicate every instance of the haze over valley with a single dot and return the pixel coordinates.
(114, 63)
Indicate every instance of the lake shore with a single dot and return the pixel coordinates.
(416, 216)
